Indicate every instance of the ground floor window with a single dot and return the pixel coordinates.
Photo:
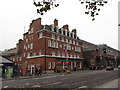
(49, 65)
(53, 65)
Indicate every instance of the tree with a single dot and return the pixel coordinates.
(92, 6)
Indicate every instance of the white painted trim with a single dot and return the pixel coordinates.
(50, 56)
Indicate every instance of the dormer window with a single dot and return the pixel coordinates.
(71, 35)
(68, 34)
(55, 29)
(63, 32)
(60, 31)
(52, 28)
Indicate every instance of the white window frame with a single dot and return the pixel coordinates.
(34, 54)
(40, 35)
(56, 44)
(20, 58)
(49, 43)
(58, 37)
(70, 41)
(62, 31)
(66, 40)
(53, 65)
(49, 65)
(26, 48)
(53, 53)
(62, 39)
(73, 42)
(53, 36)
(75, 64)
(40, 52)
(66, 32)
(53, 28)
(24, 55)
(53, 43)
(76, 42)
(58, 54)
(28, 54)
(31, 46)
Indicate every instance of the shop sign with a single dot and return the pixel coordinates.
(59, 62)
(67, 62)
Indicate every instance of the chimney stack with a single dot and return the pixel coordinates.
(55, 22)
(74, 30)
(66, 27)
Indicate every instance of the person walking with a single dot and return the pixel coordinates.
(39, 72)
(36, 72)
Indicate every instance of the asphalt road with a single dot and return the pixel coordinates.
(76, 80)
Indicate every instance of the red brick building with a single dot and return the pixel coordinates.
(49, 47)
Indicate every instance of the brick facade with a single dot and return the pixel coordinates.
(50, 48)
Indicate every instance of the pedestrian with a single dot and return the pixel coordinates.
(63, 69)
(54, 69)
(39, 71)
(75, 68)
(36, 71)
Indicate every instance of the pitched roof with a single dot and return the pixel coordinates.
(4, 60)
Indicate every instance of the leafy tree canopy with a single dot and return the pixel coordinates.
(92, 6)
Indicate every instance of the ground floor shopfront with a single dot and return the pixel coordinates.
(51, 64)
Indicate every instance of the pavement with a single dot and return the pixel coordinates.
(43, 75)
(112, 84)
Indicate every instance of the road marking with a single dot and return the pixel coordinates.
(36, 86)
(53, 83)
(27, 83)
(5, 86)
(56, 83)
(36, 78)
(83, 87)
(49, 76)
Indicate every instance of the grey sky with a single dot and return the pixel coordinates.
(17, 14)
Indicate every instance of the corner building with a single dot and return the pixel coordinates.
(51, 48)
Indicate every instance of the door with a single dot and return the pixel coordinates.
(32, 69)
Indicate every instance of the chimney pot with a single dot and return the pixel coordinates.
(55, 22)
(66, 27)
(74, 30)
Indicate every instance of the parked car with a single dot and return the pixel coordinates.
(118, 66)
(109, 68)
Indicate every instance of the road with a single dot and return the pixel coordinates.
(112, 84)
(76, 80)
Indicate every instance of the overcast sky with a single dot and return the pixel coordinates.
(17, 14)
